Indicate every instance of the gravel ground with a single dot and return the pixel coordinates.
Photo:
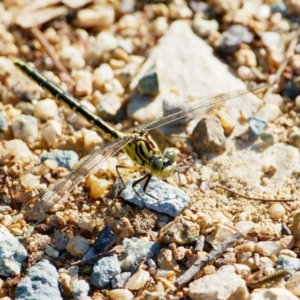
(231, 229)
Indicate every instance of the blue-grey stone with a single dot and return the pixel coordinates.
(3, 122)
(80, 289)
(12, 254)
(291, 89)
(105, 269)
(269, 137)
(256, 127)
(233, 37)
(119, 281)
(288, 263)
(65, 159)
(105, 239)
(40, 283)
(172, 200)
(279, 7)
(138, 249)
(89, 254)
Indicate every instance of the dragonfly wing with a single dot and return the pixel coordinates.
(36, 207)
(202, 104)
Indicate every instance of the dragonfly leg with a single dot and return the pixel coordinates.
(125, 167)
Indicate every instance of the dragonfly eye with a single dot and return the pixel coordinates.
(157, 166)
(171, 156)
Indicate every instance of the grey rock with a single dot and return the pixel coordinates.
(119, 281)
(138, 249)
(279, 7)
(150, 82)
(105, 270)
(80, 289)
(3, 122)
(25, 128)
(256, 127)
(285, 262)
(172, 200)
(269, 138)
(105, 239)
(89, 254)
(26, 108)
(208, 136)
(109, 107)
(295, 139)
(12, 254)
(40, 283)
(233, 37)
(65, 159)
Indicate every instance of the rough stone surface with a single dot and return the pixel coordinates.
(105, 269)
(224, 284)
(170, 200)
(12, 254)
(180, 231)
(65, 159)
(40, 283)
(272, 293)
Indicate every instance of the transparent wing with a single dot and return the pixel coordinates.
(36, 207)
(202, 104)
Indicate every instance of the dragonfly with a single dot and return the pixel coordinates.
(137, 143)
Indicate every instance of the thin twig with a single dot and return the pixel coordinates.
(205, 260)
(97, 256)
(49, 48)
(289, 53)
(12, 199)
(252, 198)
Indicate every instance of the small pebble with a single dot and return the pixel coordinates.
(279, 7)
(51, 131)
(276, 211)
(3, 122)
(46, 109)
(233, 37)
(83, 83)
(26, 108)
(119, 281)
(256, 127)
(120, 294)
(245, 73)
(105, 239)
(86, 222)
(102, 74)
(166, 261)
(263, 13)
(80, 289)
(150, 83)
(72, 57)
(65, 159)
(99, 187)
(180, 231)
(104, 270)
(25, 128)
(271, 39)
(288, 252)
(101, 15)
(269, 137)
(78, 246)
(29, 181)
(208, 136)
(295, 139)
(268, 248)
(291, 89)
(138, 280)
(52, 252)
(17, 148)
(204, 27)
(245, 57)
(287, 263)
(109, 107)
(297, 102)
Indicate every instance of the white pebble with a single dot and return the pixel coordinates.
(120, 294)
(83, 83)
(29, 181)
(102, 74)
(25, 128)
(276, 211)
(86, 222)
(17, 148)
(138, 280)
(52, 129)
(245, 73)
(6, 220)
(72, 57)
(263, 12)
(78, 246)
(271, 39)
(46, 109)
(90, 138)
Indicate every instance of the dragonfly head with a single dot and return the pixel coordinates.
(164, 167)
